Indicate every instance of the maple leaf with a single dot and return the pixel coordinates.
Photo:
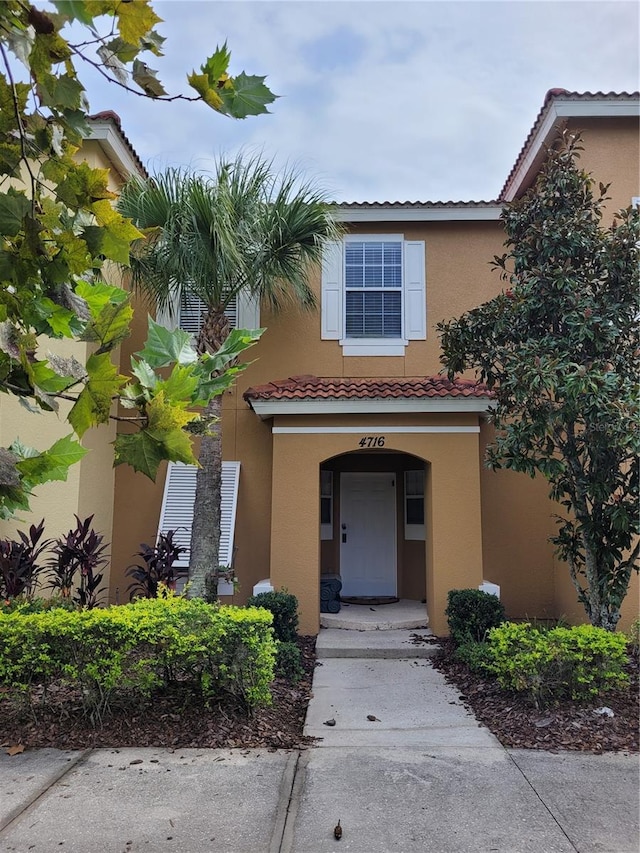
(94, 402)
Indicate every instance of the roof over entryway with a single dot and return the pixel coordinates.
(308, 394)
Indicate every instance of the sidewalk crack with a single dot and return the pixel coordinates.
(542, 802)
(16, 813)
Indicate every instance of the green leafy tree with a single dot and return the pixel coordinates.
(244, 231)
(58, 232)
(560, 349)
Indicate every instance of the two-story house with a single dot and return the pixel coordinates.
(347, 453)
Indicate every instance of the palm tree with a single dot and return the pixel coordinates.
(243, 230)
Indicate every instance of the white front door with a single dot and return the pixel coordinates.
(368, 534)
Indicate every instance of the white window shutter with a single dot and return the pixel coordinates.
(248, 314)
(415, 303)
(169, 316)
(331, 303)
(177, 510)
(193, 310)
(228, 507)
(177, 506)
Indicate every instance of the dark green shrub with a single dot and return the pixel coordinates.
(284, 607)
(471, 613)
(289, 662)
(477, 656)
(555, 663)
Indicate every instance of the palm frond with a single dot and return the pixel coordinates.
(245, 228)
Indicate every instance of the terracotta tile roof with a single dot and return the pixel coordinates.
(343, 388)
(551, 97)
(347, 205)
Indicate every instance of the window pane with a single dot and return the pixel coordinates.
(326, 482)
(373, 254)
(392, 315)
(415, 510)
(392, 253)
(325, 510)
(354, 253)
(414, 483)
(372, 277)
(355, 315)
(354, 276)
(374, 315)
(393, 276)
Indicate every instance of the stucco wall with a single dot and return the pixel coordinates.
(89, 489)
(615, 164)
(516, 514)
(452, 513)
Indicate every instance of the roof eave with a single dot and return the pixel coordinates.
(109, 136)
(418, 213)
(553, 119)
(422, 405)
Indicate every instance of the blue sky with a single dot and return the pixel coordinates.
(426, 100)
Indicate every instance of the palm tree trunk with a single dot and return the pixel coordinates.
(205, 532)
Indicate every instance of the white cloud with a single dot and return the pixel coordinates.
(384, 100)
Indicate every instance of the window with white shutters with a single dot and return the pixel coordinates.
(373, 293)
(177, 511)
(193, 311)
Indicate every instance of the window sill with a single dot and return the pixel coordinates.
(373, 346)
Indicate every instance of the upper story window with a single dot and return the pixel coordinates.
(373, 290)
(193, 311)
(373, 293)
(243, 312)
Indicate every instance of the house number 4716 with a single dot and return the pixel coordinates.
(372, 441)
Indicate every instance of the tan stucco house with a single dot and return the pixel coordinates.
(346, 452)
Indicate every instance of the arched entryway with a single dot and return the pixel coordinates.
(373, 523)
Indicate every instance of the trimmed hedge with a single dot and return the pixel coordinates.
(139, 647)
(471, 613)
(546, 665)
(284, 606)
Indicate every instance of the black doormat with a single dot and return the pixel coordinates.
(369, 599)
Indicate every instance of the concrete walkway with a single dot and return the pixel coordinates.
(422, 776)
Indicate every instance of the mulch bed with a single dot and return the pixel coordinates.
(567, 725)
(177, 721)
(171, 720)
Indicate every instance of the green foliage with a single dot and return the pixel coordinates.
(288, 661)
(59, 231)
(471, 613)
(477, 656)
(246, 231)
(547, 665)
(560, 350)
(634, 640)
(131, 650)
(284, 607)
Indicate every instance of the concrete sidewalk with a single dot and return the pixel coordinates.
(423, 776)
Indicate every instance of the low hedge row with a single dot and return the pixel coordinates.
(137, 648)
(578, 662)
(549, 664)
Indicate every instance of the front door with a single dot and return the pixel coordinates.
(368, 534)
